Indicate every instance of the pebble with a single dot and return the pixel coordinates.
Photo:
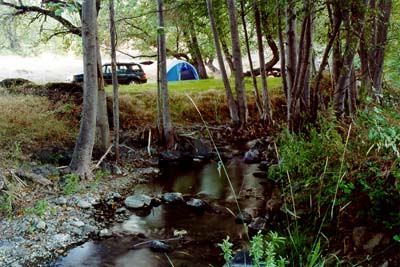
(83, 204)
(41, 225)
(105, 233)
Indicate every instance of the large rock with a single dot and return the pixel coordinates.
(158, 246)
(138, 201)
(172, 198)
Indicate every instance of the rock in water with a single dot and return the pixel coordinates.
(172, 198)
(258, 224)
(196, 204)
(137, 201)
(243, 217)
(158, 246)
(252, 156)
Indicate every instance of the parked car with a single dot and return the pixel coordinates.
(127, 73)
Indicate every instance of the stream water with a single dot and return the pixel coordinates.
(204, 230)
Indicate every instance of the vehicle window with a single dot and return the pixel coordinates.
(135, 67)
(122, 69)
(107, 69)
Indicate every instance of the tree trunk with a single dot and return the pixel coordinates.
(237, 60)
(168, 133)
(253, 76)
(266, 116)
(197, 57)
(378, 42)
(354, 29)
(231, 101)
(298, 88)
(228, 56)
(316, 93)
(114, 79)
(282, 50)
(81, 158)
(291, 42)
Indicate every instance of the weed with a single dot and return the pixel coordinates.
(227, 251)
(264, 250)
(98, 176)
(39, 209)
(6, 206)
(71, 184)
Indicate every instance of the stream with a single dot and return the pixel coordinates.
(201, 231)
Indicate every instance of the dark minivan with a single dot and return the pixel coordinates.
(127, 73)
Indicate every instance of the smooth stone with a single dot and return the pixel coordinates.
(196, 204)
(105, 233)
(41, 225)
(137, 201)
(173, 197)
(83, 204)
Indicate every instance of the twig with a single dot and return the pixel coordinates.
(163, 240)
(103, 157)
(16, 177)
(131, 149)
(149, 143)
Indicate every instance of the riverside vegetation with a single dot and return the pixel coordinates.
(337, 179)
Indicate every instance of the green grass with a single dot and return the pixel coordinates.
(198, 86)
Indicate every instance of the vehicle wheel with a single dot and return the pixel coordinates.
(134, 82)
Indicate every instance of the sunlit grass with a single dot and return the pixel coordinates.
(138, 102)
(26, 119)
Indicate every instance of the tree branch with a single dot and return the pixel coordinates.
(22, 9)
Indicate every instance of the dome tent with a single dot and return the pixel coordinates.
(179, 70)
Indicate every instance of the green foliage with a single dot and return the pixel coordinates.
(39, 209)
(6, 204)
(263, 250)
(312, 160)
(71, 184)
(227, 251)
(383, 133)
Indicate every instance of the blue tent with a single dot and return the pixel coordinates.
(179, 70)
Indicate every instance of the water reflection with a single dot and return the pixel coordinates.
(204, 230)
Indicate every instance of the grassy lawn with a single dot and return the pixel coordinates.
(198, 86)
(138, 102)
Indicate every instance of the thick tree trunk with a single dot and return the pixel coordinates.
(237, 59)
(113, 36)
(81, 158)
(168, 132)
(253, 76)
(231, 101)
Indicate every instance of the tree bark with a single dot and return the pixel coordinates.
(113, 37)
(266, 115)
(197, 57)
(282, 50)
(168, 133)
(291, 42)
(81, 158)
(231, 101)
(252, 74)
(354, 30)
(237, 60)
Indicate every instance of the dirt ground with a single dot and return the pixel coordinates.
(52, 67)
